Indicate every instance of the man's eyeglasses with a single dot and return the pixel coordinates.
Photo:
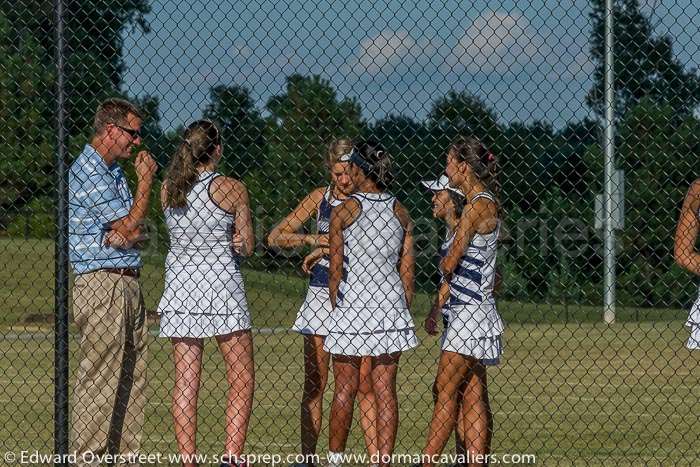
(132, 132)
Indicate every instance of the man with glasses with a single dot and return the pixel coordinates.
(104, 227)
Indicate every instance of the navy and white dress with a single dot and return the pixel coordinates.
(204, 294)
(314, 315)
(693, 321)
(371, 317)
(474, 326)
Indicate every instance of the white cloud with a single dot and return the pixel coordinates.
(384, 52)
(498, 41)
(494, 42)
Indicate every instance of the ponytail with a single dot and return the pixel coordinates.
(483, 162)
(197, 148)
(379, 167)
(181, 176)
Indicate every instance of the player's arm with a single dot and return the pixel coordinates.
(407, 262)
(314, 257)
(129, 226)
(687, 231)
(442, 296)
(341, 217)
(481, 216)
(285, 234)
(231, 195)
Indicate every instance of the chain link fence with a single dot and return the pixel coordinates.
(281, 82)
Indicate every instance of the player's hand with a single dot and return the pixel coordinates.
(430, 324)
(145, 166)
(116, 240)
(237, 244)
(311, 259)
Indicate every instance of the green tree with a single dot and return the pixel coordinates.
(658, 153)
(242, 127)
(94, 67)
(567, 167)
(457, 114)
(26, 136)
(94, 32)
(522, 151)
(461, 113)
(150, 127)
(303, 121)
(645, 65)
(407, 142)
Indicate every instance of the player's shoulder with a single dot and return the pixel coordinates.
(694, 189)
(402, 214)
(483, 204)
(692, 198)
(352, 202)
(312, 200)
(225, 185)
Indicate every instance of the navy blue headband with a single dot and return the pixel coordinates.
(356, 158)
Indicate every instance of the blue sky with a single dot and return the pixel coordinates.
(527, 60)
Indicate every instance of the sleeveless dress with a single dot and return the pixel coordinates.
(204, 294)
(474, 326)
(371, 317)
(693, 321)
(314, 315)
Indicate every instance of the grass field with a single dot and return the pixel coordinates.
(571, 393)
(27, 283)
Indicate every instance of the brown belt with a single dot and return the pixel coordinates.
(131, 272)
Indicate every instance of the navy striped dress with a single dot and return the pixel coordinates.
(475, 326)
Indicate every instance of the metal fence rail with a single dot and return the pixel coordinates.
(588, 131)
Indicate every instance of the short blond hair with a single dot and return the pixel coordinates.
(114, 111)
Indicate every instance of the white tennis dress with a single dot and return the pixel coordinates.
(693, 321)
(474, 326)
(314, 315)
(371, 317)
(204, 294)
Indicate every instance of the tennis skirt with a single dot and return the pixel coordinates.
(361, 331)
(693, 324)
(314, 315)
(173, 324)
(459, 339)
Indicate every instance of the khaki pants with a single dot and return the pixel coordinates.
(109, 394)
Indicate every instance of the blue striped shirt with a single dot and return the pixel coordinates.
(97, 196)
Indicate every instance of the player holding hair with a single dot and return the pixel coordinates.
(472, 338)
(313, 317)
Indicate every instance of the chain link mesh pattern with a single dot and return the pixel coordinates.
(282, 81)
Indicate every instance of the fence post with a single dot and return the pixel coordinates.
(609, 143)
(61, 255)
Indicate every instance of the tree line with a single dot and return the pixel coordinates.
(550, 176)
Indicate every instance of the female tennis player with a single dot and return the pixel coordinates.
(472, 338)
(371, 277)
(687, 256)
(312, 320)
(210, 229)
